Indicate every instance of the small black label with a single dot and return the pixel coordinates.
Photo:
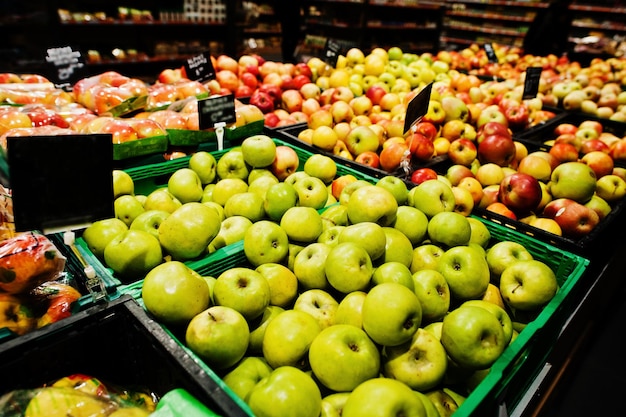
(531, 83)
(200, 68)
(332, 50)
(216, 109)
(417, 107)
(491, 53)
(68, 66)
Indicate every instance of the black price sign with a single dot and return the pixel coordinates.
(417, 107)
(60, 182)
(68, 66)
(216, 109)
(491, 53)
(531, 83)
(332, 50)
(200, 68)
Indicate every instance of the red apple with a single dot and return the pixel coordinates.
(575, 219)
(520, 192)
(422, 148)
(274, 91)
(375, 93)
(291, 100)
(593, 145)
(517, 116)
(427, 129)
(498, 149)
(564, 152)
(562, 128)
(368, 158)
(249, 79)
(501, 209)
(300, 80)
(492, 128)
(423, 174)
(285, 162)
(462, 151)
(271, 119)
(301, 68)
(262, 100)
(601, 163)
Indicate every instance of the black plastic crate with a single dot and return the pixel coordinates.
(119, 344)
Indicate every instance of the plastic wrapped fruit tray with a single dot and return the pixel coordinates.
(118, 343)
(152, 176)
(508, 379)
(290, 135)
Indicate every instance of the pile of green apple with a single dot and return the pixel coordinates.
(208, 204)
(387, 300)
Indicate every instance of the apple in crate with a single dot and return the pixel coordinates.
(575, 219)
(520, 192)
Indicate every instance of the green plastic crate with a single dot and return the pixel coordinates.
(513, 372)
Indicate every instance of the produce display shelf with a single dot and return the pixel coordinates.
(290, 133)
(118, 343)
(153, 176)
(507, 380)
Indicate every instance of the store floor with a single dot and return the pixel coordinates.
(594, 382)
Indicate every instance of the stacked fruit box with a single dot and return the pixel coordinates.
(117, 343)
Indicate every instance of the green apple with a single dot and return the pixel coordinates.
(398, 247)
(219, 335)
(321, 166)
(207, 193)
(348, 267)
(480, 233)
(288, 337)
(473, 337)
(205, 165)
(312, 192)
(573, 180)
(258, 150)
(466, 271)
(318, 303)
(98, 234)
(186, 233)
(161, 199)
(384, 397)
(599, 205)
(265, 241)
(260, 185)
(218, 209)
(372, 204)
(500, 313)
(232, 165)
(528, 285)
(332, 404)
(248, 204)
(443, 402)
(226, 188)
(256, 173)
(185, 185)
(309, 266)
(362, 139)
(420, 363)
(296, 176)
(611, 188)
(123, 183)
(173, 293)
(413, 223)
(449, 229)
(432, 197)
(433, 292)
(431, 410)
(503, 254)
(350, 308)
(426, 256)
(278, 199)
(244, 290)
(282, 281)
(126, 208)
(258, 327)
(393, 271)
(395, 186)
(335, 215)
(132, 254)
(434, 328)
(149, 221)
(246, 374)
(391, 314)
(330, 235)
(232, 230)
(287, 391)
(302, 224)
(369, 235)
(343, 356)
(349, 188)
(293, 249)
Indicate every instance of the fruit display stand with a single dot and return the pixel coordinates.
(509, 377)
(117, 343)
